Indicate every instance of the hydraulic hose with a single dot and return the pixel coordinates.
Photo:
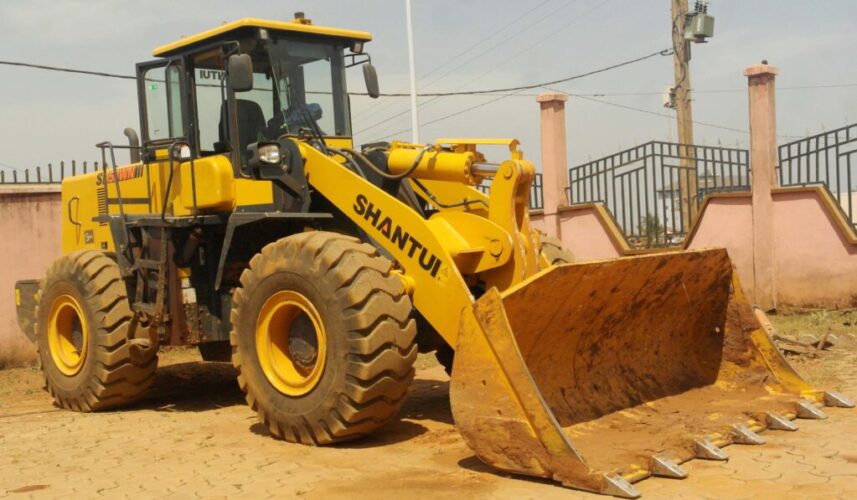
(387, 175)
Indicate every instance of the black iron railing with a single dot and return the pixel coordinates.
(655, 189)
(828, 159)
(49, 175)
(537, 201)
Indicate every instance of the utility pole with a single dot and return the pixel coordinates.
(688, 182)
(415, 127)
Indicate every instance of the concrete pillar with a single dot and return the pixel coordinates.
(554, 158)
(763, 161)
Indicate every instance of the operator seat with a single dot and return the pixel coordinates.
(251, 124)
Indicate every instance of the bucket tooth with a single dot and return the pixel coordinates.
(707, 450)
(742, 434)
(618, 486)
(664, 467)
(780, 423)
(807, 409)
(837, 400)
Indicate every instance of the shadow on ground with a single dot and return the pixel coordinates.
(193, 386)
(428, 400)
(203, 386)
(472, 463)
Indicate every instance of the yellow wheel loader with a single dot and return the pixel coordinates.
(247, 223)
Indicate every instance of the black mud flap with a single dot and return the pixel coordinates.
(25, 306)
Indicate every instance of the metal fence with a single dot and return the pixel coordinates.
(49, 175)
(828, 159)
(653, 190)
(537, 201)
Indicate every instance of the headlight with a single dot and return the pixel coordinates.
(181, 152)
(263, 154)
(270, 153)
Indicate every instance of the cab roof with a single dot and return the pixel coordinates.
(298, 25)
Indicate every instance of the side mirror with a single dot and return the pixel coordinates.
(370, 76)
(239, 70)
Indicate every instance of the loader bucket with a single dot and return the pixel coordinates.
(600, 374)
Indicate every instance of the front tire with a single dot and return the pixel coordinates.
(89, 351)
(323, 338)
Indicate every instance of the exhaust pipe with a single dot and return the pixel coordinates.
(134, 143)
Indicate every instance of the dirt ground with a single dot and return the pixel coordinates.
(193, 436)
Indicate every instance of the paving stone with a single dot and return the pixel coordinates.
(835, 487)
(721, 487)
(213, 453)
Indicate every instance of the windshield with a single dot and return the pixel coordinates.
(298, 88)
(310, 81)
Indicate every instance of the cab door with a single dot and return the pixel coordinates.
(162, 97)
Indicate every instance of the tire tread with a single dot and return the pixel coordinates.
(380, 336)
(116, 378)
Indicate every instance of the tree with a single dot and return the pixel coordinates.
(652, 229)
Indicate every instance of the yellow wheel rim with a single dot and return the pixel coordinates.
(291, 343)
(68, 335)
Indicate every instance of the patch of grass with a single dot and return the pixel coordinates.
(815, 323)
(833, 366)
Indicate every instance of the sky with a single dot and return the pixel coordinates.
(46, 117)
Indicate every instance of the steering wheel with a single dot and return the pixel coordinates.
(293, 118)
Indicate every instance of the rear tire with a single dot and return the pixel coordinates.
(350, 374)
(88, 354)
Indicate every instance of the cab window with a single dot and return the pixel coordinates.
(210, 105)
(162, 89)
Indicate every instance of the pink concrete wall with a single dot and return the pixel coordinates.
(30, 241)
(537, 220)
(596, 244)
(816, 264)
(814, 249)
(582, 221)
(790, 246)
(728, 223)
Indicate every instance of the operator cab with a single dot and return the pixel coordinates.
(244, 88)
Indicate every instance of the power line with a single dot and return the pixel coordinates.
(664, 52)
(475, 92)
(585, 97)
(529, 87)
(500, 93)
(496, 32)
(655, 113)
(508, 59)
(664, 115)
(644, 93)
(507, 38)
(796, 87)
(68, 70)
(445, 117)
(10, 167)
